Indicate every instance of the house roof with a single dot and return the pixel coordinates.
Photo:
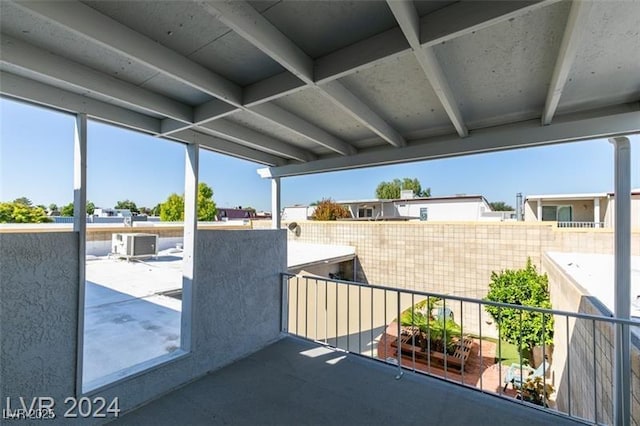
(581, 196)
(404, 200)
(307, 87)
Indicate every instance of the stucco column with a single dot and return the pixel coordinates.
(539, 212)
(80, 227)
(622, 281)
(192, 154)
(275, 203)
(596, 212)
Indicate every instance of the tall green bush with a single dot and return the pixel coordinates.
(525, 287)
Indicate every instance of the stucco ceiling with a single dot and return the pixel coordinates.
(313, 86)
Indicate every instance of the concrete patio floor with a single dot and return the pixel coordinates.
(298, 382)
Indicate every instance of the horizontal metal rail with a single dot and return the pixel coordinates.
(379, 322)
(580, 315)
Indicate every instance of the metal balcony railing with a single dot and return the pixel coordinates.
(575, 369)
(573, 224)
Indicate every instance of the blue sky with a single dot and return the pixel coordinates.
(36, 161)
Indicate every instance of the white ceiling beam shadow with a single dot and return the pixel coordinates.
(18, 54)
(405, 13)
(303, 128)
(577, 127)
(31, 91)
(574, 30)
(231, 131)
(335, 91)
(225, 147)
(89, 23)
(257, 30)
(242, 18)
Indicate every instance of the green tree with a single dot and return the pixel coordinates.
(53, 207)
(173, 208)
(67, 210)
(327, 209)
(18, 212)
(206, 206)
(156, 210)
(391, 190)
(527, 288)
(23, 200)
(127, 204)
(500, 206)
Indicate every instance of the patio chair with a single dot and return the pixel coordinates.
(514, 377)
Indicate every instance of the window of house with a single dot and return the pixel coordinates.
(365, 212)
(557, 213)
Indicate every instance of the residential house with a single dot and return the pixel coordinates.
(585, 210)
(447, 208)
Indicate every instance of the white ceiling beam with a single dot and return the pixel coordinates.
(466, 17)
(225, 147)
(32, 91)
(442, 25)
(253, 27)
(89, 23)
(574, 30)
(577, 127)
(303, 128)
(256, 29)
(340, 95)
(437, 27)
(231, 131)
(208, 111)
(16, 53)
(405, 13)
(361, 55)
(271, 88)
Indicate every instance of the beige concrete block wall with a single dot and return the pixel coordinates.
(452, 257)
(583, 353)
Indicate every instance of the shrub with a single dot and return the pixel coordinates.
(523, 287)
(327, 209)
(436, 330)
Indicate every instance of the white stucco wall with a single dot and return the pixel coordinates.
(236, 311)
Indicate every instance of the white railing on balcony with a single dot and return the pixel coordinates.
(574, 224)
(576, 349)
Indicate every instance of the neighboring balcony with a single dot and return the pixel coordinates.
(574, 224)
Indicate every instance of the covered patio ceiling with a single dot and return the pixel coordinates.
(314, 86)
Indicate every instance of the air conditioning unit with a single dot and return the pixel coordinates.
(134, 245)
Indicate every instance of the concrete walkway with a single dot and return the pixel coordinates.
(294, 382)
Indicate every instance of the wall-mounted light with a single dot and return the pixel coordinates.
(295, 228)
